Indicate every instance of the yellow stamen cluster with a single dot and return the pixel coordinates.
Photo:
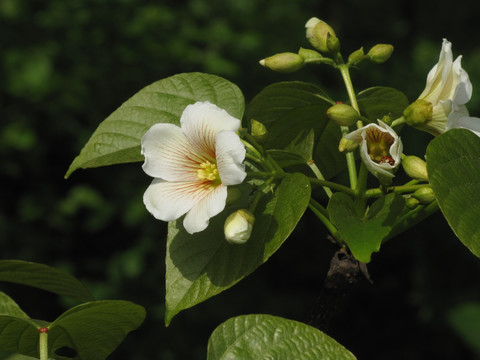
(208, 171)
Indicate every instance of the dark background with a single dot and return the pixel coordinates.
(66, 65)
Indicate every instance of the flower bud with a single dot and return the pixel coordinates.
(258, 131)
(343, 114)
(411, 202)
(317, 33)
(333, 44)
(286, 62)
(238, 226)
(347, 145)
(418, 113)
(415, 167)
(425, 195)
(309, 54)
(356, 57)
(380, 53)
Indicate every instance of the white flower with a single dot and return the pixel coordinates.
(238, 226)
(192, 165)
(380, 149)
(447, 91)
(457, 121)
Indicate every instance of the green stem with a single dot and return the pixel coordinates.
(352, 167)
(344, 70)
(43, 345)
(397, 189)
(322, 214)
(399, 121)
(332, 185)
(319, 176)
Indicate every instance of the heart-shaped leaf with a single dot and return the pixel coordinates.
(43, 277)
(454, 172)
(364, 233)
(252, 337)
(202, 265)
(379, 101)
(117, 139)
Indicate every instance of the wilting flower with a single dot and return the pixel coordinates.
(447, 91)
(380, 149)
(192, 165)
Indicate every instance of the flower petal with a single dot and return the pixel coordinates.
(463, 89)
(168, 155)
(201, 122)
(230, 155)
(212, 203)
(168, 201)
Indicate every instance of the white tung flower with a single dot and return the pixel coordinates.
(447, 91)
(192, 165)
(380, 149)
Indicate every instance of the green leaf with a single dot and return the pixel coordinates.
(288, 108)
(251, 337)
(202, 265)
(93, 330)
(454, 172)
(299, 151)
(18, 333)
(364, 233)
(465, 319)
(89, 331)
(376, 102)
(117, 139)
(43, 277)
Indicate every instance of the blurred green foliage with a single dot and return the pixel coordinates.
(66, 65)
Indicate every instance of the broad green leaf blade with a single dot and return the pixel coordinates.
(379, 101)
(454, 172)
(18, 333)
(202, 265)
(465, 319)
(93, 330)
(287, 109)
(364, 233)
(43, 277)
(252, 337)
(117, 139)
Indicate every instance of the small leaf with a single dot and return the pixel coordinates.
(378, 101)
(454, 172)
(93, 330)
(252, 337)
(202, 265)
(43, 277)
(364, 233)
(117, 139)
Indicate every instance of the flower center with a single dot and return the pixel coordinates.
(208, 171)
(378, 144)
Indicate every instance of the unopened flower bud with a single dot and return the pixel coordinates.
(343, 114)
(238, 227)
(411, 202)
(356, 57)
(309, 54)
(333, 44)
(425, 195)
(347, 145)
(317, 33)
(380, 53)
(286, 62)
(418, 113)
(258, 131)
(415, 167)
